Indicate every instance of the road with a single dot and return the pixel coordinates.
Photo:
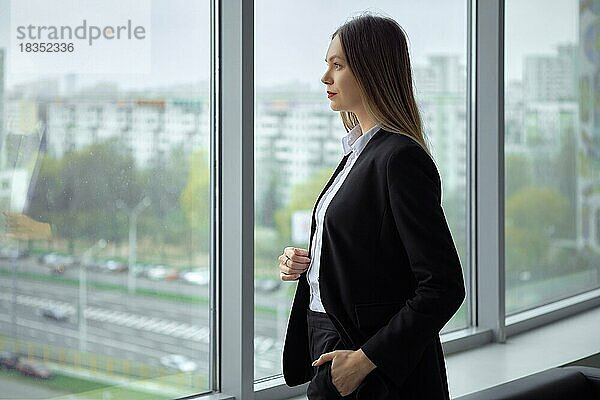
(128, 327)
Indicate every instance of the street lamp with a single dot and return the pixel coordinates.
(132, 218)
(85, 261)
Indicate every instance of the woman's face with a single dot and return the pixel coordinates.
(339, 80)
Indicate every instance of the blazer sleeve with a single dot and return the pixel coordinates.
(415, 201)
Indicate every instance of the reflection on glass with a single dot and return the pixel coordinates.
(104, 189)
(297, 139)
(552, 154)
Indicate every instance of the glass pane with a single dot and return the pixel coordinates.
(552, 151)
(104, 176)
(298, 136)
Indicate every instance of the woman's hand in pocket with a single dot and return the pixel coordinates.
(348, 368)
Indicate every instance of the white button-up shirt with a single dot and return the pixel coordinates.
(354, 142)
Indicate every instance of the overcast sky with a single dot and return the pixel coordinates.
(291, 37)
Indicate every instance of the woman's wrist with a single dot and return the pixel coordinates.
(364, 362)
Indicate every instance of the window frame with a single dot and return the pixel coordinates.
(232, 202)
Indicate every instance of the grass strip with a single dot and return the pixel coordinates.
(176, 297)
(73, 385)
(109, 286)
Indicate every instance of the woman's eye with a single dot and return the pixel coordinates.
(337, 65)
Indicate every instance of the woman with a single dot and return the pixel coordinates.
(382, 275)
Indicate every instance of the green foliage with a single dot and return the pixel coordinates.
(537, 209)
(195, 200)
(46, 194)
(77, 195)
(163, 183)
(80, 193)
(303, 197)
(518, 173)
(534, 215)
(266, 241)
(269, 243)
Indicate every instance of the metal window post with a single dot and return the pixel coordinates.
(233, 133)
(489, 162)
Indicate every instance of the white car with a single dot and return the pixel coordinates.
(56, 313)
(179, 362)
(157, 272)
(197, 277)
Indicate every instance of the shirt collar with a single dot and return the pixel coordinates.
(355, 142)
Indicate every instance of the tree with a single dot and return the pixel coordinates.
(265, 209)
(195, 200)
(163, 183)
(533, 215)
(78, 193)
(566, 178)
(517, 174)
(95, 178)
(303, 197)
(44, 195)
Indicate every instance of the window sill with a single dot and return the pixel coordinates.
(551, 345)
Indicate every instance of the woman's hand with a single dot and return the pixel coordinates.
(348, 368)
(292, 263)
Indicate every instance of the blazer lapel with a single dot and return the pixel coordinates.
(313, 224)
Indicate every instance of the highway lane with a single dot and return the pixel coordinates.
(132, 327)
(119, 305)
(119, 301)
(30, 265)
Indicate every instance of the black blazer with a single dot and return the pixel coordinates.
(390, 276)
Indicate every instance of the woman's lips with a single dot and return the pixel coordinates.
(330, 94)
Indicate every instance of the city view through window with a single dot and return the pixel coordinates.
(298, 137)
(552, 158)
(104, 186)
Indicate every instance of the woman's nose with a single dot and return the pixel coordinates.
(325, 79)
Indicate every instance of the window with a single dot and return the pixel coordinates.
(120, 167)
(115, 303)
(551, 153)
(292, 110)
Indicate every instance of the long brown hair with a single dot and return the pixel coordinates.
(377, 53)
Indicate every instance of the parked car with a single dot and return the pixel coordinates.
(178, 362)
(57, 262)
(114, 266)
(9, 359)
(172, 274)
(159, 272)
(31, 368)
(12, 253)
(197, 277)
(56, 313)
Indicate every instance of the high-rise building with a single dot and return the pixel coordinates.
(551, 78)
(440, 87)
(148, 128)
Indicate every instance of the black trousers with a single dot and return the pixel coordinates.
(323, 338)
